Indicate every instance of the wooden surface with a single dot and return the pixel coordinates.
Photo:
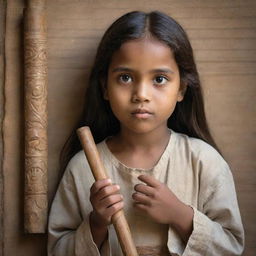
(2, 32)
(223, 35)
(36, 117)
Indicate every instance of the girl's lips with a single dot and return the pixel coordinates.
(142, 113)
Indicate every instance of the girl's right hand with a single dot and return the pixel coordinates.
(106, 201)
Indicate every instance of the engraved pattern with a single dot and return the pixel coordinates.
(35, 213)
(36, 143)
(36, 176)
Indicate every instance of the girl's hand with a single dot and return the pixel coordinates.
(106, 201)
(162, 205)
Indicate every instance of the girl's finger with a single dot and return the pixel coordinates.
(145, 189)
(107, 191)
(141, 198)
(150, 180)
(141, 206)
(114, 208)
(111, 200)
(97, 185)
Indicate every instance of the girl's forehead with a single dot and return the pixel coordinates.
(147, 44)
(141, 51)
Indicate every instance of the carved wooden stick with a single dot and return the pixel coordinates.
(98, 170)
(35, 205)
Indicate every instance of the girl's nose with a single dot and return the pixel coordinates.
(141, 92)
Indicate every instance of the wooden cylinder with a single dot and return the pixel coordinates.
(99, 172)
(35, 91)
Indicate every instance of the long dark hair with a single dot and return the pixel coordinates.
(189, 115)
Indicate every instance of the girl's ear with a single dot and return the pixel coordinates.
(182, 91)
(104, 89)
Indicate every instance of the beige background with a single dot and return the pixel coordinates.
(223, 35)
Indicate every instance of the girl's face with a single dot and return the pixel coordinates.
(143, 85)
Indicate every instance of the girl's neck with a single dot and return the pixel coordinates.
(141, 141)
(139, 150)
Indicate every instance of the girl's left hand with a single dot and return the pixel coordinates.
(158, 201)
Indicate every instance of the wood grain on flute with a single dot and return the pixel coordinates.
(98, 170)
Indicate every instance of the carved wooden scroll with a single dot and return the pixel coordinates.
(36, 144)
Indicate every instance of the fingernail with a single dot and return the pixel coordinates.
(109, 181)
(117, 186)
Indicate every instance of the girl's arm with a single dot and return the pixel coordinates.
(216, 230)
(163, 206)
(99, 232)
(183, 223)
(69, 231)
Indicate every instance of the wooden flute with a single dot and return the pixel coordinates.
(118, 219)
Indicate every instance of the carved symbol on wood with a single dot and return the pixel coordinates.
(36, 144)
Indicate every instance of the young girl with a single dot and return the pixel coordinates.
(145, 108)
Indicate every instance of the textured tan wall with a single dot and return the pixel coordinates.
(2, 32)
(223, 35)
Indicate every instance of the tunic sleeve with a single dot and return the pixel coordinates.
(69, 231)
(217, 229)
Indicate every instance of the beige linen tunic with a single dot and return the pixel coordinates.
(191, 168)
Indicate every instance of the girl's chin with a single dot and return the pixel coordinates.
(143, 128)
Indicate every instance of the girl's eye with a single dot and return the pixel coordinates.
(160, 80)
(125, 78)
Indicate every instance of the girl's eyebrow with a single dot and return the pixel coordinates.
(157, 70)
(162, 70)
(122, 69)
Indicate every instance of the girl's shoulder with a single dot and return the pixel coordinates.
(78, 171)
(196, 147)
(205, 158)
(79, 161)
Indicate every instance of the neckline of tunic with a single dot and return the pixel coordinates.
(159, 165)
